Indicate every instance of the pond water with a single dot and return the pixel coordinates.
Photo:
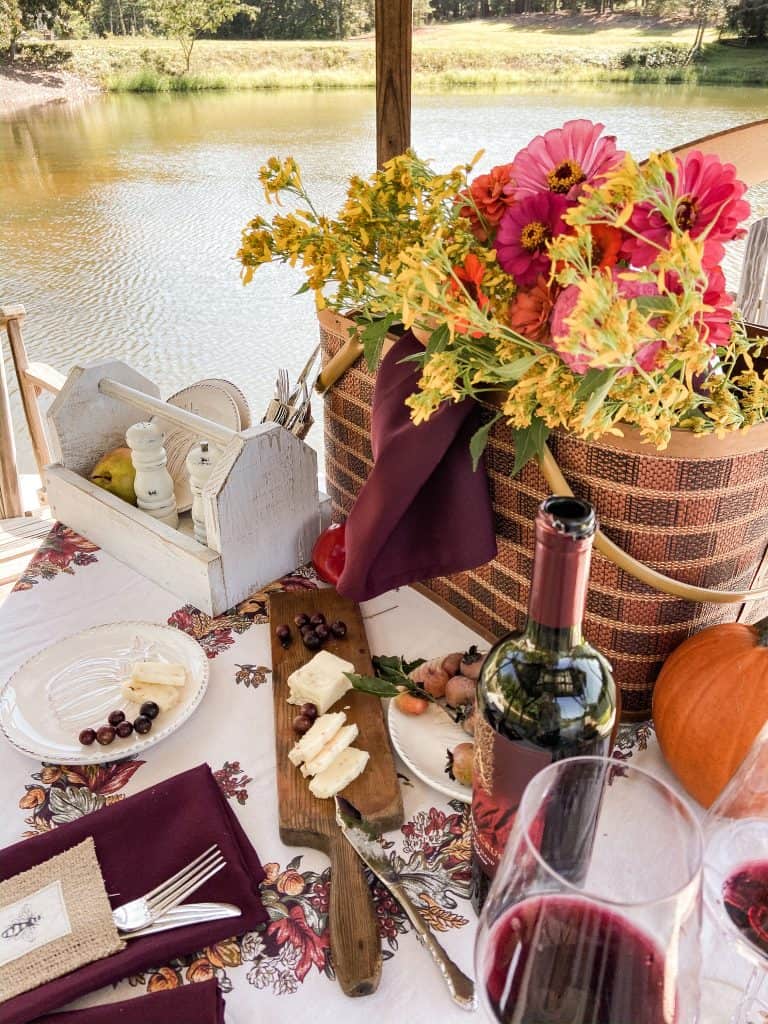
(119, 220)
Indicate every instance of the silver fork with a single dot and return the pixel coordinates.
(143, 911)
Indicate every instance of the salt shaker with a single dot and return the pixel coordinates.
(199, 465)
(153, 483)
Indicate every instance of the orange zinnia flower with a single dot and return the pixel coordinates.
(529, 311)
(470, 274)
(606, 245)
(490, 198)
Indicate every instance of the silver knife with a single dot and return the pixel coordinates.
(365, 841)
(187, 914)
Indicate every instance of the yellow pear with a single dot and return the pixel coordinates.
(115, 473)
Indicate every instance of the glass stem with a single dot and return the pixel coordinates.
(750, 995)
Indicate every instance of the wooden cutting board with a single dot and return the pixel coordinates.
(307, 821)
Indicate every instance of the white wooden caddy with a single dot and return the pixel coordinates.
(261, 503)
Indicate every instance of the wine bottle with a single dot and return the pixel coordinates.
(544, 694)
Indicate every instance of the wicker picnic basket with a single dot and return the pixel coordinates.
(696, 512)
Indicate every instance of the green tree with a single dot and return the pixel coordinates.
(11, 25)
(749, 19)
(187, 20)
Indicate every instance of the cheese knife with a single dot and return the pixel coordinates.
(364, 839)
(187, 914)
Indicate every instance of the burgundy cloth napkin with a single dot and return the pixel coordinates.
(202, 1003)
(423, 511)
(141, 841)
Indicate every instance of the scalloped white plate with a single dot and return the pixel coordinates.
(422, 741)
(212, 402)
(74, 684)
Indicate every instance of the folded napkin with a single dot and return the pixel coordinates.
(140, 842)
(423, 511)
(191, 1004)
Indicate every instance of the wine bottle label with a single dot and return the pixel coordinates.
(502, 770)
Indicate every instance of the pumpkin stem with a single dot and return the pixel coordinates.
(762, 632)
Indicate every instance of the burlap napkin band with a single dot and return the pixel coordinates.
(54, 918)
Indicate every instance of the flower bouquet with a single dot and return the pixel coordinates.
(578, 296)
(573, 287)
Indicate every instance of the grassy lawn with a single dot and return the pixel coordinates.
(464, 54)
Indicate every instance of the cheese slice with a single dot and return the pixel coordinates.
(344, 738)
(345, 769)
(164, 696)
(159, 673)
(312, 742)
(320, 682)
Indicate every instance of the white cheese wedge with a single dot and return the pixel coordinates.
(164, 696)
(344, 738)
(159, 673)
(320, 682)
(312, 742)
(345, 769)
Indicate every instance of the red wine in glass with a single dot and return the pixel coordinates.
(562, 960)
(745, 898)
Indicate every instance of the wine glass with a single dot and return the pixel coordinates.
(736, 866)
(594, 915)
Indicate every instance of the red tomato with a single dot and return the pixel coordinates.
(329, 553)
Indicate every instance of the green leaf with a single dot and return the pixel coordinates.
(599, 394)
(480, 439)
(515, 369)
(304, 288)
(409, 666)
(372, 338)
(438, 339)
(395, 669)
(592, 381)
(654, 303)
(529, 443)
(369, 684)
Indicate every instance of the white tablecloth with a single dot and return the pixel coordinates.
(284, 974)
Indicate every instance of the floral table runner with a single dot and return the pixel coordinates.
(284, 973)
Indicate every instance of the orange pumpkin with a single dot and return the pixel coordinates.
(710, 702)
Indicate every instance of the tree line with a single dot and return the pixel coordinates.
(331, 19)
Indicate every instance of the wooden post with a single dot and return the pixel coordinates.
(12, 317)
(10, 492)
(393, 77)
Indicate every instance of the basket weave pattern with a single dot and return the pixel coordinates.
(702, 521)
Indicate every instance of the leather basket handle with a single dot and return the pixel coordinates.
(666, 584)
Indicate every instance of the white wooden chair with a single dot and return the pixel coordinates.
(20, 534)
(752, 297)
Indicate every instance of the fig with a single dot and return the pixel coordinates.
(459, 764)
(460, 690)
(432, 677)
(471, 663)
(451, 663)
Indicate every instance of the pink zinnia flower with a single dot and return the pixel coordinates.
(565, 305)
(563, 159)
(525, 229)
(645, 354)
(718, 319)
(709, 201)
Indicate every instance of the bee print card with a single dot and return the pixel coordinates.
(33, 921)
(54, 918)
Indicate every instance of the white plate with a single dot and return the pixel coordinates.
(212, 403)
(236, 395)
(74, 684)
(422, 741)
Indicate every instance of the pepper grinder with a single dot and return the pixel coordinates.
(199, 466)
(153, 483)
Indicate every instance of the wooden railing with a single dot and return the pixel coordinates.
(32, 378)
